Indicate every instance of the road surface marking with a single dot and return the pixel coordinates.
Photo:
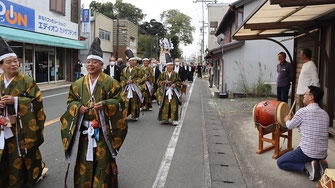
(54, 95)
(167, 159)
(51, 122)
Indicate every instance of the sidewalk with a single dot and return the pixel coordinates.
(52, 86)
(259, 170)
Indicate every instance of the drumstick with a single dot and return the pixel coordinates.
(292, 107)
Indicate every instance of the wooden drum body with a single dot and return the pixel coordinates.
(270, 112)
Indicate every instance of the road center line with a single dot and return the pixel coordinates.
(51, 122)
(168, 156)
(54, 95)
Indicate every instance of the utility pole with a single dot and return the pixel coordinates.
(117, 38)
(203, 25)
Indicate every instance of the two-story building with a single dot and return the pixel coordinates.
(44, 35)
(241, 65)
(100, 26)
(215, 14)
(125, 36)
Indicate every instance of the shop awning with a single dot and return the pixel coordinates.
(38, 38)
(277, 18)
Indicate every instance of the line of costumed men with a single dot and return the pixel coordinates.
(95, 120)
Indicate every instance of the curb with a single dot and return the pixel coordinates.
(56, 87)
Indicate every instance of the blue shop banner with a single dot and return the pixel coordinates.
(86, 16)
(18, 16)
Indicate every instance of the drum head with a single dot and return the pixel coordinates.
(282, 110)
(253, 114)
(330, 173)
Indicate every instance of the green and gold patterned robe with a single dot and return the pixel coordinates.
(21, 162)
(102, 171)
(132, 105)
(168, 109)
(148, 86)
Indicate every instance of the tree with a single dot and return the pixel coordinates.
(118, 10)
(106, 9)
(148, 44)
(176, 52)
(128, 11)
(153, 28)
(178, 24)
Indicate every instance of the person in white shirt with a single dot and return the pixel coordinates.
(310, 156)
(308, 75)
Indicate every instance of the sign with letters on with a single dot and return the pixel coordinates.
(86, 21)
(18, 16)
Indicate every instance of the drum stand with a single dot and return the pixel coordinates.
(275, 141)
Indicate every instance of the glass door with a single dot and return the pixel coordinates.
(51, 66)
(41, 66)
(44, 64)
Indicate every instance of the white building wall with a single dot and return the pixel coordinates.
(44, 6)
(256, 59)
(216, 13)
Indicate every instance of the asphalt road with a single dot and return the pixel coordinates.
(144, 149)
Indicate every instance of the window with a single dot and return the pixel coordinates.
(212, 27)
(104, 34)
(57, 6)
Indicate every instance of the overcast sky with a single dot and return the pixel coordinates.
(153, 9)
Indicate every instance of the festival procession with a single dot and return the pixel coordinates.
(204, 93)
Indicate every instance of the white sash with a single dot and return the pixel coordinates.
(132, 87)
(169, 93)
(149, 87)
(5, 133)
(92, 143)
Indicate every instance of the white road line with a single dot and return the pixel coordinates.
(168, 156)
(54, 95)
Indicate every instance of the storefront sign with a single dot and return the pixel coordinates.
(15, 15)
(18, 16)
(86, 15)
(45, 23)
(86, 21)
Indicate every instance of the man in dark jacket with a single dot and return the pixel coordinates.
(157, 73)
(180, 70)
(285, 77)
(77, 69)
(199, 70)
(121, 64)
(113, 70)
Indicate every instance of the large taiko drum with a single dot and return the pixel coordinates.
(269, 113)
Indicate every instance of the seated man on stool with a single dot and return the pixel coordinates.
(311, 153)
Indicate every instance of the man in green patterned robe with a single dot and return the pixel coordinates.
(168, 95)
(148, 84)
(21, 108)
(93, 113)
(132, 84)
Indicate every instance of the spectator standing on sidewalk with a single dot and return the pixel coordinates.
(199, 70)
(77, 69)
(285, 77)
(210, 74)
(308, 75)
(313, 121)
